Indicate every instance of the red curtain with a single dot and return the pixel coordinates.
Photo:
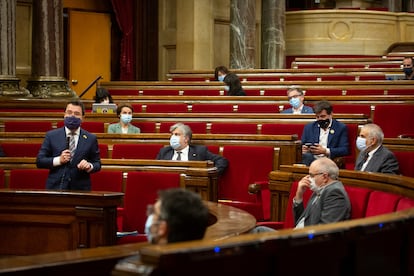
(124, 16)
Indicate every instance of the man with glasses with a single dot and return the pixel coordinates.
(296, 98)
(70, 152)
(329, 201)
(408, 68)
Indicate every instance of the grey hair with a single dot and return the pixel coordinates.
(327, 165)
(375, 131)
(185, 129)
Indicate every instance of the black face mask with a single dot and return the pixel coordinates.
(323, 123)
(408, 71)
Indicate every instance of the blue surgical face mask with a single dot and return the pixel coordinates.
(126, 118)
(72, 122)
(294, 102)
(175, 141)
(361, 143)
(221, 78)
(227, 88)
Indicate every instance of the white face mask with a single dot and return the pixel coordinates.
(361, 143)
(175, 141)
(312, 186)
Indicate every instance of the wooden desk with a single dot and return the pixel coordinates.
(228, 222)
(33, 222)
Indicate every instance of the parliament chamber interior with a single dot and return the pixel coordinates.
(159, 57)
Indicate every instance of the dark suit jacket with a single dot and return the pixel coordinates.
(383, 161)
(67, 176)
(337, 139)
(333, 205)
(305, 110)
(196, 153)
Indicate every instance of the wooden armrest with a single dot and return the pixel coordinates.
(256, 187)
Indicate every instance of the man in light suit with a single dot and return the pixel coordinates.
(373, 156)
(326, 137)
(329, 201)
(296, 98)
(70, 163)
(181, 149)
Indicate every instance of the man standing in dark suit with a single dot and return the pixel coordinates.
(181, 149)
(326, 137)
(373, 156)
(70, 152)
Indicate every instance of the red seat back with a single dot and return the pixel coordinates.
(233, 128)
(107, 181)
(146, 127)
(258, 108)
(196, 127)
(141, 190)
(94, 127)
(135, 151)
(28, 178)
(389, 118)
(21, 149)
(405, 162)
(381, 203)
(247, 165)
(282, 129)
(103, 150)
(27, 126)
(167, 108)
(2, 181)
(216, 108)
(405, 203)
(359, 201)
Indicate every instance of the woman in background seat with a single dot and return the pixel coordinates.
(124, 112)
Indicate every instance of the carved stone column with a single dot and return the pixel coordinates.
(47, 79)
(242, 34)
(9, 83)
(273, 34)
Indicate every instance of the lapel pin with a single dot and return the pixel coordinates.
(85, 137)
(332, 131)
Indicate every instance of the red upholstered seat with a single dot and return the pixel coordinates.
(135, 151)
(359, 200)
(352, 136)
(381, 203)
(405, 203)
(247, 165)
(159, 92)
(166, 108)
(233, 128)
(282, 129)
(275, 92)
(146, 127)
(27, 126)
(107, 181)
(21, 149)
(103, 150)
(364, 91)
(392, 118)
(28, 178)
(208, 108)
(140, 191)
(202, 92)
(406, 162)
(258, 108)
(352, 109)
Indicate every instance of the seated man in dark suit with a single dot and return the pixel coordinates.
(70, 152)
(373, 156)
(181, 149)
(326, 137)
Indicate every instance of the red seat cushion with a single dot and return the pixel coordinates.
(107, 181)
(21, 149)
(27, 126)
(405, 162)
(405, 203)
(359, 200)
(233, 128)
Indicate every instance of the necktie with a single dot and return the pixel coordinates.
(72, 144)
(178, 155)
(364, 159)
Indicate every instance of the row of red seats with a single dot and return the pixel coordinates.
(391, 118)
(322, 91)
